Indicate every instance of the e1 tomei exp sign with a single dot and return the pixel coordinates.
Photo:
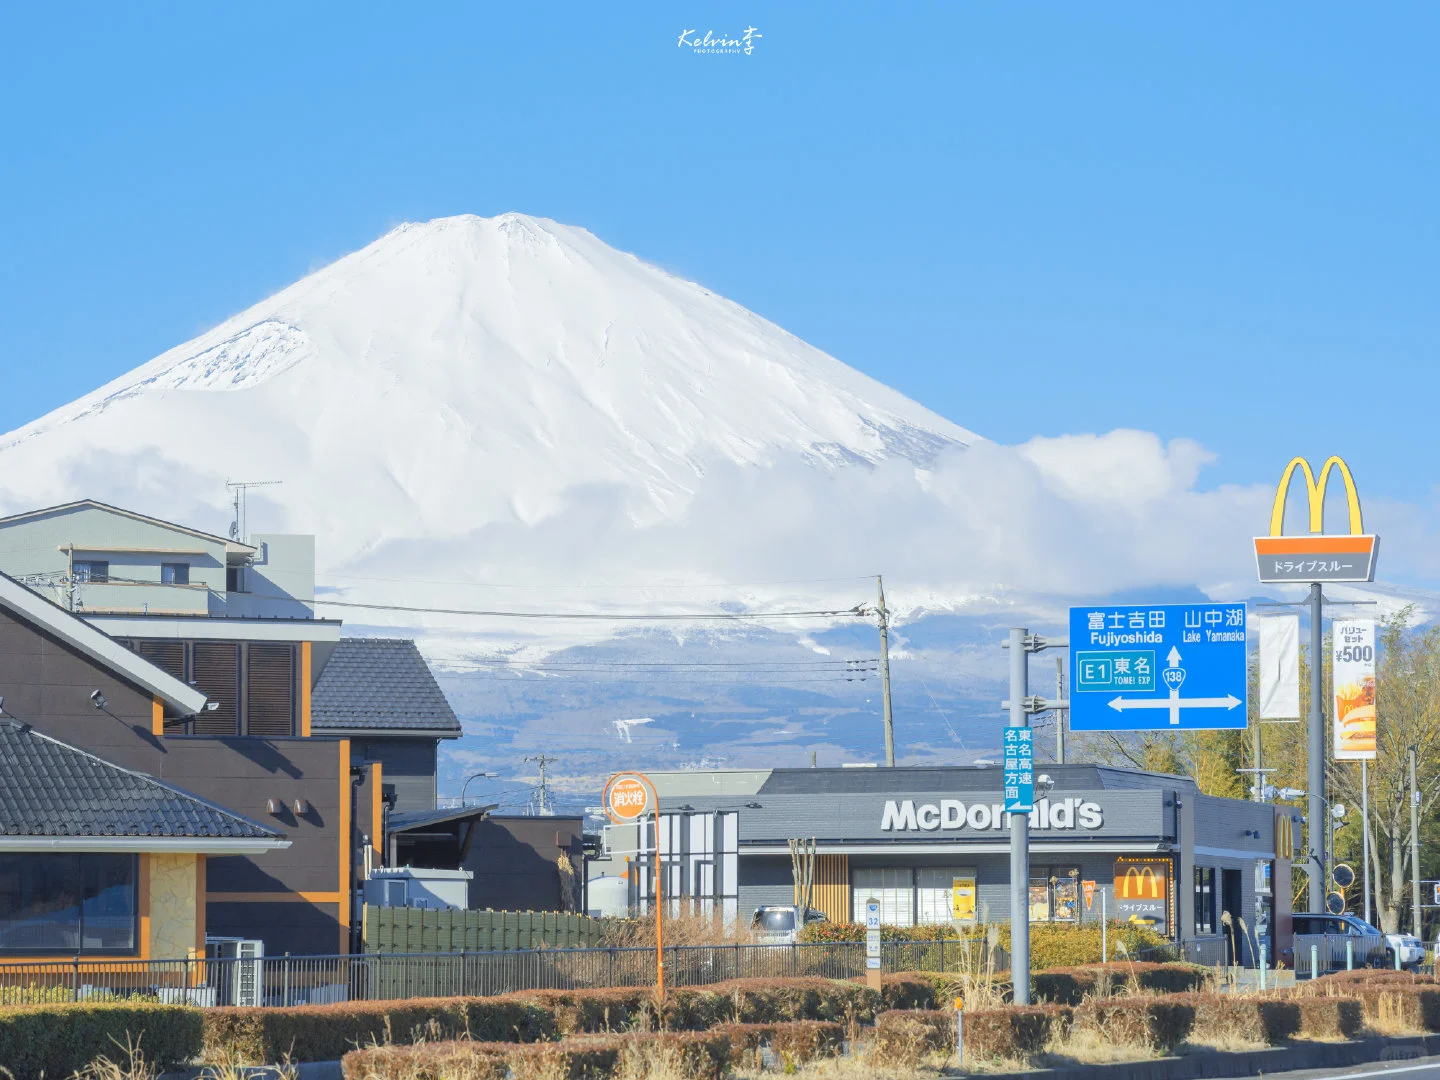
(1165, 667)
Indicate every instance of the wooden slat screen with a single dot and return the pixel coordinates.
(168, 656)
(217, 676)
(270, 690)
(832, 887)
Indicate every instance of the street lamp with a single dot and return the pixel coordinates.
(473, 776)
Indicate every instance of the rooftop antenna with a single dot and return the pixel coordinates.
(239, 488)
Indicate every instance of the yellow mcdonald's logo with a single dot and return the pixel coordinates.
(1284, 838)
(1315, 493)
(1140, 873)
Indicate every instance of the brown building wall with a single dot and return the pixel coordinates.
(47, 684)
(295, 899)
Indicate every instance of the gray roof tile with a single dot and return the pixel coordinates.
(381, 685)
(50, 788)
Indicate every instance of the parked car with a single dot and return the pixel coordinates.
(1407, 946)
(781, 924)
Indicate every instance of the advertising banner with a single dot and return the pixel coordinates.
(1279, 667)
(1353, 660)
(962, 905)
(1142, 892)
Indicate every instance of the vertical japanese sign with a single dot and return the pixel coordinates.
(872, 933)
(1019, 770)
(1353, 659)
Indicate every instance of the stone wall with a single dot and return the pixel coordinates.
(173, 905)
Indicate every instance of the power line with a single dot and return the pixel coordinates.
(854, 612)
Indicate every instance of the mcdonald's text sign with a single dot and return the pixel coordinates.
(1319, 556)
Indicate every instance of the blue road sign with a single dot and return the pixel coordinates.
(1161, 667)
(1019, 769)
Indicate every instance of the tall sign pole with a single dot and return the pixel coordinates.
(1019, 778)
(1314, 560)
(1316, 812)
(1019, 729)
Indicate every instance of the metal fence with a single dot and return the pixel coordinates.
(311, 980)
(1316, 954)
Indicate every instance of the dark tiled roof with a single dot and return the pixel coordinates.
(380, 685)
(50, 788)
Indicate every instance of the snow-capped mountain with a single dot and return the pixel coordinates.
(466, 372)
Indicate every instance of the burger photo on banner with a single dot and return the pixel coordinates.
(1353, 664)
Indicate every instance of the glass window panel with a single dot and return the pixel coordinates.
(39, 903)
(935, 893)
(108, 905)
(893, 886)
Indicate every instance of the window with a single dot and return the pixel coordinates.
(935, 894)
(893, 886)
(67, 903)
(92, 570)
(1204, 900)
(234, 579)
(1053, 893)
(175, 573)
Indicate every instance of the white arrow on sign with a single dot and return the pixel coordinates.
(1175, 702)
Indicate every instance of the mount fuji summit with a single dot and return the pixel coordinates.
(461, 375)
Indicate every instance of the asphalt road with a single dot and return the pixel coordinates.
(1403, 1059)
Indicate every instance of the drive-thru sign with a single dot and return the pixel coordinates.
(1166, 667)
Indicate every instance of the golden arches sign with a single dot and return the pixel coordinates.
(1315, 493)
(1320, 556)
(1139, 876)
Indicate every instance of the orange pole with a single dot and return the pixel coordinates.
(659, 904)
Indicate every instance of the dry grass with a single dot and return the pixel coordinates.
(687, 928)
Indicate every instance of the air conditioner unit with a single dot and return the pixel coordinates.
(240, 973)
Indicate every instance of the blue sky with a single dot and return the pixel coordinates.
(1213, 221)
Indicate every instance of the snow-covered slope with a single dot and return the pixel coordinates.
(460, 373)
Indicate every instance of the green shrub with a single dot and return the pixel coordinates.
(1055, 945)
(56, 1040)
(793, 1043)
(1012, 1033)
(1157, 1023)
(688, 1055)
(1330, 1017)
(850, 931)
(1219, 1017)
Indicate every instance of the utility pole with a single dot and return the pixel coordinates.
(885, 672)
(1414, 846)
(543, 760)
(1059, 713)
(1316, 811)
(1259, 787)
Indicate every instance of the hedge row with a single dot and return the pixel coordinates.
(1330, 1017)
(793, 1043)
(324, 1032)
(1070, 986)
(691, 1055)
(56, 1040)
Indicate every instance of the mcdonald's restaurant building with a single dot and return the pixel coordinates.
(932, 845)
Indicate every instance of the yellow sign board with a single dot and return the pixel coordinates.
(962, 902)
